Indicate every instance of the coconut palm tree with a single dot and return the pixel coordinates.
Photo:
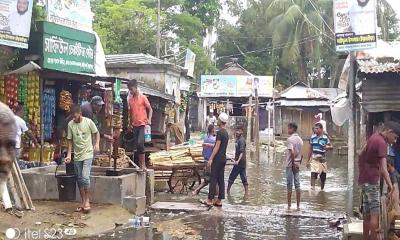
(299, 29)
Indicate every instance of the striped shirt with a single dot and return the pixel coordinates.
(318, 144)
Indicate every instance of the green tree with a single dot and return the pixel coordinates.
(125, 26)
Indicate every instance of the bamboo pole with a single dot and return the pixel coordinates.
(14, 193)
(19, 187)
(25, 189)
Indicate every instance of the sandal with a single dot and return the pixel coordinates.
(79, 209)
(86, 210)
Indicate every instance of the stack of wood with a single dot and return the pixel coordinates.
(105, 161)
(17, 190)
(102, 161)
(197, 153)
(123, 160)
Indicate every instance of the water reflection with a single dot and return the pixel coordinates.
(252, 217)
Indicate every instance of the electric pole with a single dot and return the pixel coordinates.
(158, 28)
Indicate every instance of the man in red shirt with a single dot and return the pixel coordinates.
(140, 114)
(372, 165)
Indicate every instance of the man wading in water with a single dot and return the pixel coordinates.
(293, 161)
(217, 163)
(319, 144)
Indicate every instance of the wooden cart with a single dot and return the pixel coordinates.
(181, 177)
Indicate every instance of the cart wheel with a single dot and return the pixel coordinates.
(183, 179)
(196, 178)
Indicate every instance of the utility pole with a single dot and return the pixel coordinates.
(249, 114)
(257, 122)
(351, 132)
(158, 28)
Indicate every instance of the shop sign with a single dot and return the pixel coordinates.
(218, 86)
(236, 86)
(15, 22)
(73, 14)
(355, 24)
(68, 50)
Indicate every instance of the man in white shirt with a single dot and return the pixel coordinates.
(20, 20)
(22, 128)
(359, 11)
(211, 120)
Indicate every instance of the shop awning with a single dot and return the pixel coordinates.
(148, 91)
(31, 66)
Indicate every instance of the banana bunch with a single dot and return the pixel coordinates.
(65, 101)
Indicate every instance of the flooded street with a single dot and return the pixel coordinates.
(262, 214)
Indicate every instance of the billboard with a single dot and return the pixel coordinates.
(235, 86)
(70, 13)
(355, 24)
(218, 85)
(190, 60)
(246, 85)
(15, 22)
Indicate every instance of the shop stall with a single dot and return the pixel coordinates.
(47, 97)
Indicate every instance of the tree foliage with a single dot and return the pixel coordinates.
(130, 26)
(290, 38)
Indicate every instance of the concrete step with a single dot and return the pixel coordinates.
(135, 205)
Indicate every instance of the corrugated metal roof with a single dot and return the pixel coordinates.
(373, 66)
(331, 93)
(235, 69)
(139, 59)
(302, 103)
(300, 90)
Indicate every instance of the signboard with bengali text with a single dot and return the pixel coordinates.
(66, 49)
(355, 24)
(235, 86)
(71, 13)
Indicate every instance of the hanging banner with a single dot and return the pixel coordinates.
(218, 86)
(190, 60)
(15, 22)
(355, 24)
(71, 13)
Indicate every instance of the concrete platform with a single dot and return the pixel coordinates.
(179, 207)
(42, 185)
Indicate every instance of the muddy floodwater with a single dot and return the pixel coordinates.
(252, 217)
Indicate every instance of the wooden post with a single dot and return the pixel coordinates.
(269, 129)
(257, 127)
(249, 115)
(351, 136)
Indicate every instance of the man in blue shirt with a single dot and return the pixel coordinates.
(319, 144)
